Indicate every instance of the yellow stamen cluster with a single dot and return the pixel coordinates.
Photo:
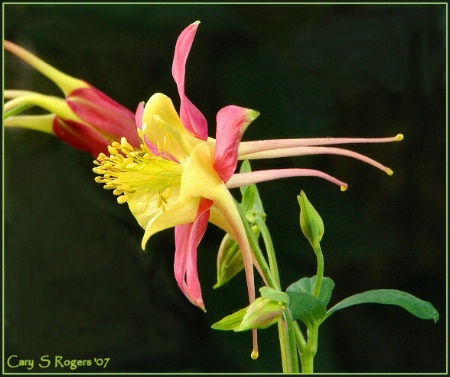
(131, 172)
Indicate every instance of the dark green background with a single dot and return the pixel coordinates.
(76, 282)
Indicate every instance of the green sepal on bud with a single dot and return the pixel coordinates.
(231, 322)
(310, 221)
(274, 295)
(262, 313)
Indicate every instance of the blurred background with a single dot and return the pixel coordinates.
(77, 283)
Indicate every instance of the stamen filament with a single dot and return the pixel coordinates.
(255, 353)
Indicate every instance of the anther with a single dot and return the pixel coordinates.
(122, 199)
(165, 194)
(112, 150)
(133, 165)
(125, 144)
(165, 144)
(159, 203)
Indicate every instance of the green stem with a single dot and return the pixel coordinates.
(261, 224)
(287, 335)
(291, 344)
(287, 331)
(301, 342)
(286, 362)
(265, 270)
(320, 269)
(16, 110)
(308, 353)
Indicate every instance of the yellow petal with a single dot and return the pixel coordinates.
(182, 212)
(66, 83)
(200, 178)
(14, 93)
(144, 207)
(163, 128)
(43, 123)
(150, 199)
(218, 219)
(52, 104)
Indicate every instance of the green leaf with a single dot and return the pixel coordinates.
(306, 285)
(274, 295)
(307, 308)
(414, 305)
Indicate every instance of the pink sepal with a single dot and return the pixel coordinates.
(187, 239)
(102, 112)
(190, 115)
(80, 136)
(232, 122)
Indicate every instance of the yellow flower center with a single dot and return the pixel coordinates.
(138, 176)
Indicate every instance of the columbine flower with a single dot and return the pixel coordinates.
(87, 118)
(179, 177)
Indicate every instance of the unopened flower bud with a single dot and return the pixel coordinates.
(261, 314)
(310, 221)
